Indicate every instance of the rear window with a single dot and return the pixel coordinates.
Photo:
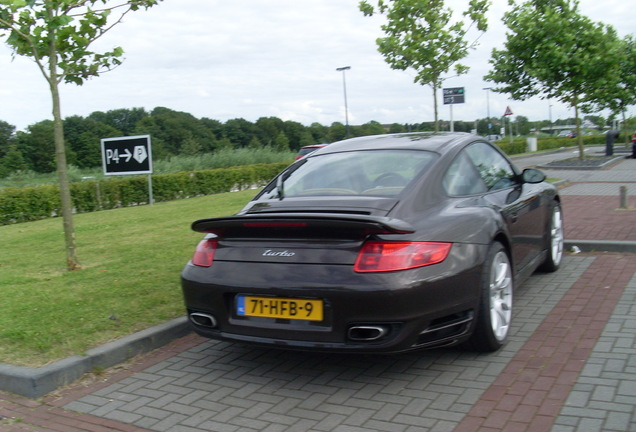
(372, 172)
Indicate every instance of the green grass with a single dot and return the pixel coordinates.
(130, 279)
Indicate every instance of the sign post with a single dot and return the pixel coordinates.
(453, 95)
(128, 155)
(509, 113)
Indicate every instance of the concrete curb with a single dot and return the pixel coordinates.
(557, 167)
(36, 382)
(601, 246)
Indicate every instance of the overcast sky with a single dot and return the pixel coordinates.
(252, 58)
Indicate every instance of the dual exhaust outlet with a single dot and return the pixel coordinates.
(367, 333)
(358, 333)
(203, 320)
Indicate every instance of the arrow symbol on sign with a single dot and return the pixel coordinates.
(127, 155)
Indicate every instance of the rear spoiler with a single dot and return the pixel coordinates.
(324, 223)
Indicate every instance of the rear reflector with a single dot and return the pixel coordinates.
(378, 256)
(204, 253)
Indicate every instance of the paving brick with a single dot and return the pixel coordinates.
(570, 365)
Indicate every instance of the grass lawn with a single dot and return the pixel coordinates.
(131, 259)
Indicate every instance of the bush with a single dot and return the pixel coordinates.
(39, 202)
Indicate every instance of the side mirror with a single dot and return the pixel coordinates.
(531, 175)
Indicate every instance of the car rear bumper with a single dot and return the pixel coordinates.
(378, 312)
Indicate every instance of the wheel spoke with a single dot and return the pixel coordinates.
(500, 296)
(556, 235)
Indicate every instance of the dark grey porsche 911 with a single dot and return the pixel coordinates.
(378, 244)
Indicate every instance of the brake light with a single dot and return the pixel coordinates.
(204, 253)
(275, 224)
(379, 256)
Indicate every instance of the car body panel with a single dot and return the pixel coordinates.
(287, 244)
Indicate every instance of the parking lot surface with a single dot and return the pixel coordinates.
(570, 364)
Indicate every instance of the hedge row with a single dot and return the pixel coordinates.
(519, 145)
(40, 202)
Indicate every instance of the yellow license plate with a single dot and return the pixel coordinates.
(279, 307)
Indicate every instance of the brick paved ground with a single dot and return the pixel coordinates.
(530, 393)
(618, 224)
(568, 367)
(201, 385)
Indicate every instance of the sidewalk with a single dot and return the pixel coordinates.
(568, 367)
(594, 219)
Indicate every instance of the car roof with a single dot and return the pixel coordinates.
(439, 142)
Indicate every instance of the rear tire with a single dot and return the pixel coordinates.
(494, 314)
(555, 241)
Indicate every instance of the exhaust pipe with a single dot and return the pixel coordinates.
(367, 333)
(203, 320)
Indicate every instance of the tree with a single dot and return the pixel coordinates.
(190, 147)
(553, 51)
(267, 129)
(172, 129)
(337, 131)
(36, 147)
(294, 132)
(281, 143)
(12, 161)
(319, 132)
(255, 144)
(421, 36)
(6, 133)
(122, 119)
(618, 93)
(522, 125)
(239, 131)
(82, 137)
(57, 35)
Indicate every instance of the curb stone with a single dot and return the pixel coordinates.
(36, 382)
(601, 246)
(559, 165)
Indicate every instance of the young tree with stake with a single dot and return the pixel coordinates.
(57, 35)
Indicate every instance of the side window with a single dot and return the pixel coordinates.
(462, 178)
(495, 171)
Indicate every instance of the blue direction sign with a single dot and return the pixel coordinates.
(453, 95)
(127, 155)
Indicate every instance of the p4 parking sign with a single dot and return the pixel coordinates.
(127, 155)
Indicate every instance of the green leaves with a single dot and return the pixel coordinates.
(58, 34)
(419, 35)
(552, 50)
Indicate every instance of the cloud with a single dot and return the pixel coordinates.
(250, 59)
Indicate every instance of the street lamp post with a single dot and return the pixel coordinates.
(344, 86)
(488, 107)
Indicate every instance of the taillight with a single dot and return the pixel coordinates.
(204, 253)
(379, 256)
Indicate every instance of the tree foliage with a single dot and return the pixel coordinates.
(553, 51)
(421, 35)
(617, 92)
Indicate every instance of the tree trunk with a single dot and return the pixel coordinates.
(579, 137)
(435, 105)
(72, 262)
(624, 130)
